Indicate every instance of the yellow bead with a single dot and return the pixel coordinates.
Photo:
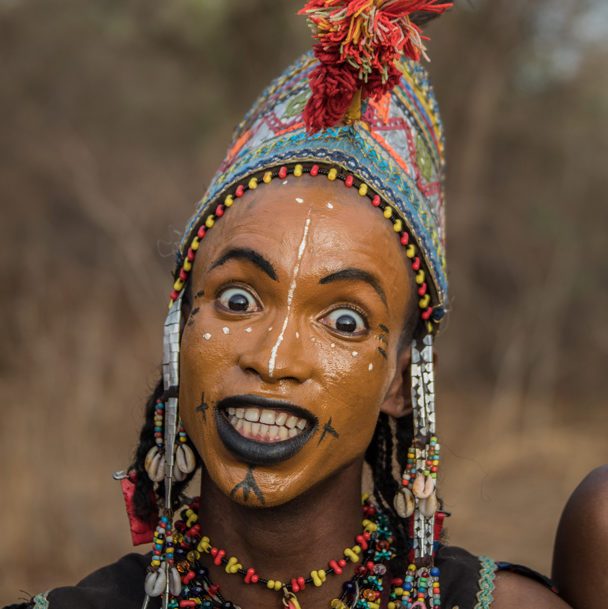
(420, 277)
(429, 327)
(210, 221)
(193, 556)
(195, 243)
(363, 189)
(204, 545)
(187, 266)
(316, 579)
(397, 226)
(233, 565)
(178, 285)
(399, 591)
(229, 200)
(351, 555)
(267, 177)
(391, 605)
(332, 174)
(388, 212)
(297, 170)
(423, 303)
(253, 183)
(373, 605)
(278, 585)
(369, 526)
(410, 250)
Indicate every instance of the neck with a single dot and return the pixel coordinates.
(286, 541)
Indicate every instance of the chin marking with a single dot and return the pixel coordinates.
(382, 352)
(328, 429)
(249, 486)
(199, 294)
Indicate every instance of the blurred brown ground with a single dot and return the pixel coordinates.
(115, 114)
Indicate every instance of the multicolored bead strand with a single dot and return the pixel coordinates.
(430, 315)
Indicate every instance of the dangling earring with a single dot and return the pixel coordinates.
(417, 499)
(170, 461)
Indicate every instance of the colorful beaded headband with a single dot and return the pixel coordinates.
(428, 314)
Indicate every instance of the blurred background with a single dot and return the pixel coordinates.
(115, 114)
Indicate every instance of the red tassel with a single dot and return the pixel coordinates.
(141, 531)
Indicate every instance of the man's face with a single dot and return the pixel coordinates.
(298, 301)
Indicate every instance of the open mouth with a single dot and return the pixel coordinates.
(262, 431)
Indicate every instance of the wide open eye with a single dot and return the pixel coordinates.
(238, 300)
(346, 321)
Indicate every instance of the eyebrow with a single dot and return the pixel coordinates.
(358, 275)
(244, 253)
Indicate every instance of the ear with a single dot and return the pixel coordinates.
(398, 400)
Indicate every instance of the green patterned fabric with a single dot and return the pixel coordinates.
(487, 574)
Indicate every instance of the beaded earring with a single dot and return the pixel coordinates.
(170, 459)
(417, 499)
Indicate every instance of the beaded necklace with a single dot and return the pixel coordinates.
(372, 549)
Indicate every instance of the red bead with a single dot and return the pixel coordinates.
(342, 562)
(255, 579)
(201, 232)
(214, 589)
(369, 565)
(349, 181)
(361, 570)
(219, 211)
(190, 255)
(397, 582)
(294, 586)
(174, 295)
(422, 289)
(187, 603)
(283, 172)
(405, 239)
(367, 535)
(183, 275)
(240, 190)
(213, 551)
(416, 263)
(249, 576)
(362, 542)
(376, 201)
(335, 566)
(301, 583)
(426, 313)
(188, 577)
(314, 170)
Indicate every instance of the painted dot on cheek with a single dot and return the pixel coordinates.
(206, 336)
(333, 345)
(355, 353)
(248, 330)
(270, 329)
(330, 206)
(285, 182)
(299, 200)
(226, 330)
(297, 335)
(370, 367)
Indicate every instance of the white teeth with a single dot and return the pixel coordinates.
(281, 418)
(268, 417)
(231, 411)
(301, 424)
(246, 428)
(291, 422)
(292, 433)
(264, 429)
(240, 424)
(233, 421)
(283, 434)
(240, 413)
(255, 428)
(252, 414)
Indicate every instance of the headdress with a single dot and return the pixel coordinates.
(359, 109)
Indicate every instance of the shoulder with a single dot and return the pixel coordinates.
(513, 591)
(119, 585)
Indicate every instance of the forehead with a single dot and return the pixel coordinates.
(342, 230)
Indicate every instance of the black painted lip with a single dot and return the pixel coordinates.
(261, 453)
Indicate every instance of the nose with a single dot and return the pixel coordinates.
(277, 356)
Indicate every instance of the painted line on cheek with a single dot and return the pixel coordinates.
(382, 352)
(292, 288)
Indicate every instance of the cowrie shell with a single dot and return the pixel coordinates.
(404, 503)
(184, 459)
(155, 583)
(156, 472)
(428, 506)
(175, 582)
